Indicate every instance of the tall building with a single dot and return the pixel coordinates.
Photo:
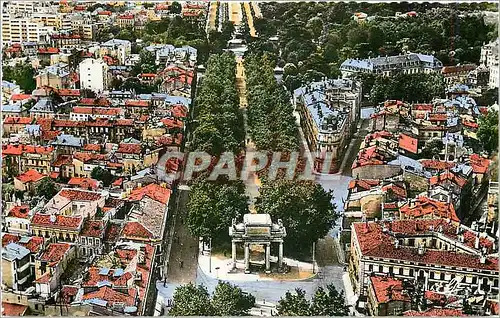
(441, 254)
(489, 58)
(17, 29)
(328, 113)
(411, 63)
(93, 74)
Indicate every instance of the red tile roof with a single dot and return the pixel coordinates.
(19, 211)
(126, 16)
(17, 150)
(395, 189)
(44, 279)
(424, 206)
(179, 111)
(136, 230)
(424, 107)
(112, 296)
(94, 277)
(172, 122)
(30, 176)
(112, 233)
(458, 68)
(49, 50)
(479, 164)
(13, 309)
(79, 195)
(68, 92)
(148, 75)
(97, 111)
(54, 253)
(448, 176)
(408, 143)
(435, 312)
(61, 221)
(368, 156)
(153, 191)
(98, 122)
(438, 117)
(373, 242)
(84, 183)
(48, 135)
(62, 160)
(93, 228)
(129, 148)
(136, 103)
(124, 122)
(54, 175)
(388, 289)
(470, 124)
(92, 147)
(104, 12)
(118, 182)
(437, 164)
(68, 293)
(363, 184)
(18, 120)
(68, 123)
(17, 97)
(34, 244)
(86, 157)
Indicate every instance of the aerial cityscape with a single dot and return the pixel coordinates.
(225, 158)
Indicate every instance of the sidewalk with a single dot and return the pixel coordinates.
(221, 268)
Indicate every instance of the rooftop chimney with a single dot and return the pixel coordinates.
(476, 244)
(482, 259)
(53, 218)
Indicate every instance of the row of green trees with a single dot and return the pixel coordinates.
(219, 125)
(271, 122)
(229, 300)
(419, 87)
(317, 37)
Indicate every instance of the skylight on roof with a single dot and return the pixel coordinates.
(104, 271)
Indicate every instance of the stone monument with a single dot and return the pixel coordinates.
(257, 229)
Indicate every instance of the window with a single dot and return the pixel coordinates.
(370, 268)
(474, 279)
(411, 272)
(391, 269)
(381, 269)
(431, 275)
(400, 271)
(441, 276)
(411, 242)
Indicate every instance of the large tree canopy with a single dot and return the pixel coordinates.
(227, 300)
(219, 119)
(212, 206)
(305, 207)
(270, 114)
(325, 302)
(488, 131)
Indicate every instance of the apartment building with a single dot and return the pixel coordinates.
(489, 58)
(16, 267)
(17, 29)
(411, 63)
(94, 75)
(328, 113)
(440, 254)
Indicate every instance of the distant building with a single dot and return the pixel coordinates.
(16, 267)
(411, 63)
(328, 113)
(489, 58)
(93, 75)
(441, 254)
